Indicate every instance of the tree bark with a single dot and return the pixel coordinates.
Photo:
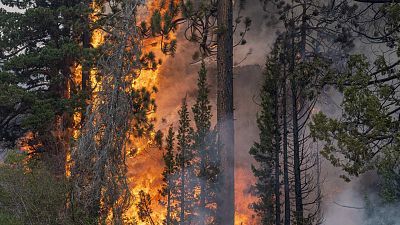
(225, 110)
(182, 197)
(168, 219)
(296, 146)
(86, 44)
(202, 183)
(285, 153)
(277, 135)
(86, 36)
(296, 150)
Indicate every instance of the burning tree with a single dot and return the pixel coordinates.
(192, 167)
(208, 159)
(168, 178)
(38, 60)
(100, 188)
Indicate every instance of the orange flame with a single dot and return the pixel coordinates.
(146, 167)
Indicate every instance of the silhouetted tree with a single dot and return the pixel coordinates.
(206, 149)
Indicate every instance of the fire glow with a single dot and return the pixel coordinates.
(145, 165)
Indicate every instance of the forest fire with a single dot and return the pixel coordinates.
(97, 39)
(243, 213)
(144, 173)
(145, 166)
(307, 134)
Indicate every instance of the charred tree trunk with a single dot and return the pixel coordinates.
(225, 110)
(296, 156)
(285, 152)
(295, 129)
(277, 135)
(182, 197)
(202, 184)
(168, 219)
(86, 64)
(86, 37)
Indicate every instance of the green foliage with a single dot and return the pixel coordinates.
(156, 22)
(169, 178)
(366, 136)
(30, 195)
(264, 150)
(192, 167)
(8, 219)
(169, 160)
(37, 57)
(207, 162)
(163, 21)
(366, 133)
(184, 136)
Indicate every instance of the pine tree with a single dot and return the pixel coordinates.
(206, 149)
(366, 136)
(41, 54)
(144, 210)
(100, 187)
(266, 151)
(287, 99)
(169, 177)
(201, 17)
(184, 160)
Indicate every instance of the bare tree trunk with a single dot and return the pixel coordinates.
(296, 151)
(202, 185)
(182, 197)
(295, 129)
(86, 38)
(285, 153)
(168, 219)
(100, 186)
(277, 185)
(86, 44)
(225, 111)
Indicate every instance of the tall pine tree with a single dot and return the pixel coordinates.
(266, 151)
(169, 177)
(184, 160)
(38, 60)
(206, 149)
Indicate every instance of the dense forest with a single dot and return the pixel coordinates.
(200, 112)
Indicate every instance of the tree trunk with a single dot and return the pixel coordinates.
(225, 111)
(86, 44)
(296, 151)
(276, 160)
(182, 197)
(86, 36)
(168, 219)
(285, 153)
(296, 146)
(202, 184)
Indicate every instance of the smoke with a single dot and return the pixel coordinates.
(357, 202)
(260, 37)
(379, 213)
(177, 79)
(178, 76)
